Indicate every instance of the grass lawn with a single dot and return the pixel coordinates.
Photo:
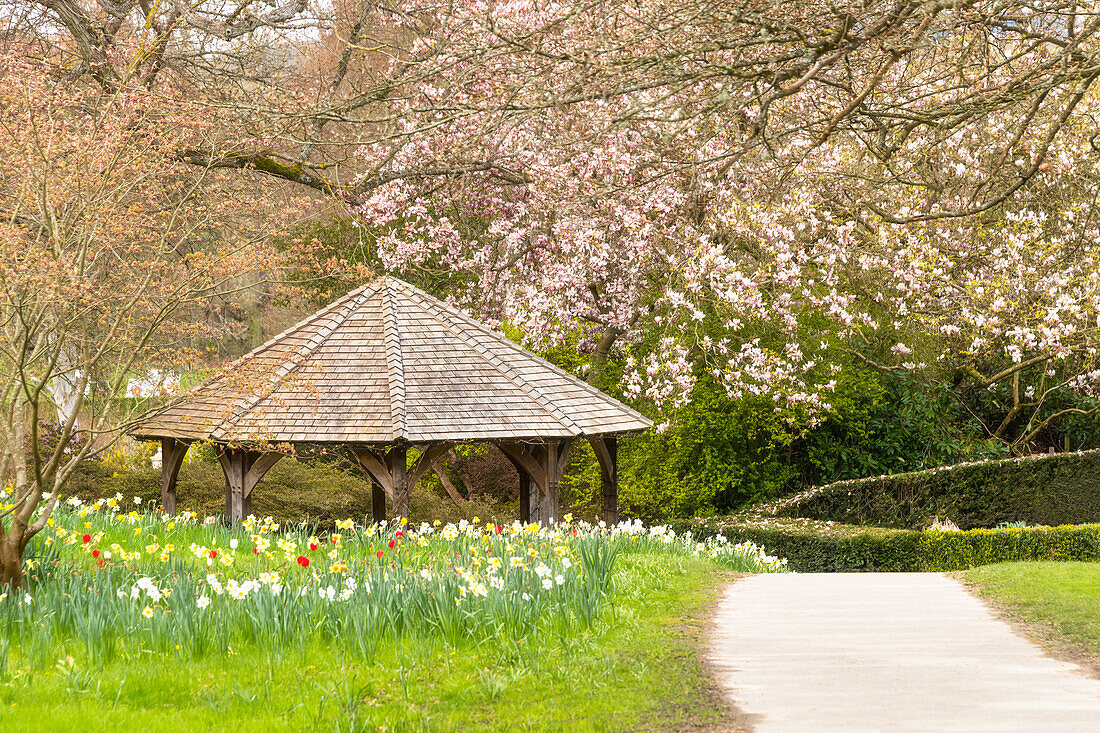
(82, 652)
(1059, 602)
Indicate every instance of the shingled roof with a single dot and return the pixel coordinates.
(388, 363)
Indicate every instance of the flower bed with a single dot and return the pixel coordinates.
(128, 582)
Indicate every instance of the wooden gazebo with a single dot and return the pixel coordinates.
(384, 369)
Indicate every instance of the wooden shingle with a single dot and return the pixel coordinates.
(388, 363)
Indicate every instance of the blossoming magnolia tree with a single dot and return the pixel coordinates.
(763, 191)
(110, 250)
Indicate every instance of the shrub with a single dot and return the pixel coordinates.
(717, 456)
(819, 547)
(1048, 490)
(887, 423)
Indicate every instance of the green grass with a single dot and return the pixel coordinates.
(638, 669)
(1062, 595)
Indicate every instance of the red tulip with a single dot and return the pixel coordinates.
(391, 543)
(256, 550)
(379, 553)
(312, 545)
(95, 553)
(87, 538)
(303, 561)
(398, 534)
(213, 554)
(499, 529)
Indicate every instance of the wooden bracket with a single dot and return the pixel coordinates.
(542, 464)
(391, 477)
(172, 453)
(243, 470)
(607, 454)
(375, 463)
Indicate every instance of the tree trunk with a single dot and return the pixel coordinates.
(600, 354)
(11, 565)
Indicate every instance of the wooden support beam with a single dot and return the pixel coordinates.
(528, 489)
(388, 470)
(528, 494)
(522, 458)
(544, 463)
(171, 459)
(243, 470)
(261, 464)
(374, 463)
(445, 479)
(606, 449)
(233, 462)
(557, 453)
(396, 461)
(378, 501)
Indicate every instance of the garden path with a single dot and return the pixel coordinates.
(887, 652)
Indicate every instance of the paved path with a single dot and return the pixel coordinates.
(810, 653)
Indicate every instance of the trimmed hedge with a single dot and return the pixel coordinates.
(1047, 490)
(814, 547)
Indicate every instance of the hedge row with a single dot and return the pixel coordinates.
(1049, 490)
(816, 547)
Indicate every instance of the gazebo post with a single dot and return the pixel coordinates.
(391, 476)
(243, 470)
(398, 466)
(172, 452)
(378, 501)
(528, 492)
(606, 449)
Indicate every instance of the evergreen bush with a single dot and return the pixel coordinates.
(1049, 490)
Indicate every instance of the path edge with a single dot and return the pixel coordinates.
(741, 721)
(1040, 633)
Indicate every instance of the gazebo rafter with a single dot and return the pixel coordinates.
(385, 369)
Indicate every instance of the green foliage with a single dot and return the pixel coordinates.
(817, 547)
(884, 423)
(1058, 489)
(717, 456)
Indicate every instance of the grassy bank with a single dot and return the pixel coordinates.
(1058, 603)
